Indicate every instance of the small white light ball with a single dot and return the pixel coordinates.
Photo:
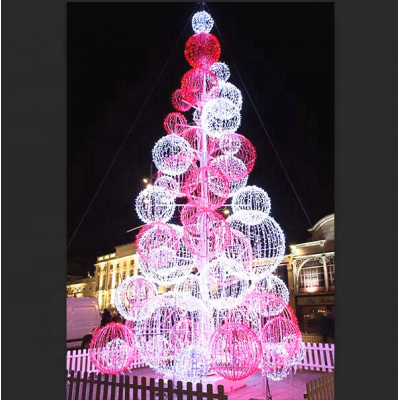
(202, 22)
(221, 70)
(253, 203)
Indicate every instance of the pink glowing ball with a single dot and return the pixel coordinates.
(206, 234)
(175, 123)
(157, 243)
(207, 187)
(235, 351)
(112, 348)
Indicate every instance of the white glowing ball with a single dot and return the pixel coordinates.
(191, 364)
(220, 286)
(163, 329)
(172, 155)
(155, 204)
(190, 285)
(273, 285)
(220, 116)
(231, 93)
(252, 203)
(202, 22)
(169, 184)
(221, 70)
(267, 243)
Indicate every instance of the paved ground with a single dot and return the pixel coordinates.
(291, 388)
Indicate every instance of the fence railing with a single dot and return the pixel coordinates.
(124, 387)
(318, 357)
(79, 360)
(321, 388)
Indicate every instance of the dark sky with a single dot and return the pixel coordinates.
(115, 52)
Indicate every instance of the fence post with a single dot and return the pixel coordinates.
(143, 385)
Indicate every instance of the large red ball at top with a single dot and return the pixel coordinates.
(202, 50)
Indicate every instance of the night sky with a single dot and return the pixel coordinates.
(115, 51)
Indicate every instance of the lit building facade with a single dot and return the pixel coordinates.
(311, 273)
(81, 287)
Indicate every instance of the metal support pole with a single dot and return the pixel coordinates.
(268, 395)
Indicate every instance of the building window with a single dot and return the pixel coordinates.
(311, 276)
(131, 273)
(330, 266)
(111, 267)
(132, 262)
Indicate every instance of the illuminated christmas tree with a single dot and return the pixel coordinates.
(227, 312)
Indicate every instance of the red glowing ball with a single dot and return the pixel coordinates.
(202, 50)
(112, 348)
(179, 102)
(207, 187)
(206, 234)
(175, 123)
(157, 243)
(199, 85)
(235, 351)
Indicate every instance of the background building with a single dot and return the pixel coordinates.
(311, 279)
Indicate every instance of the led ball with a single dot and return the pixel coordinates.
(172, 155)
(281, 340)
(169, 184)
(155, 204)
(156, 326)
(240, 253)
(220, 286)
(191, 364)
(190, 286)
(207, 187)
(253, 203)
(273, 285)
(199, 85)
(206, 234)
(172, 272)
(230, 143)
(235, 351)
(267, 243)
(132, 294)
(180, 179)
(112, 349)
(220, 116)
(239, 146)
(202, 22)
(157, 243)
(179, 102)
(221, 70)
(175, 123)
(231, 93)
(233, 168)
(202, 50)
